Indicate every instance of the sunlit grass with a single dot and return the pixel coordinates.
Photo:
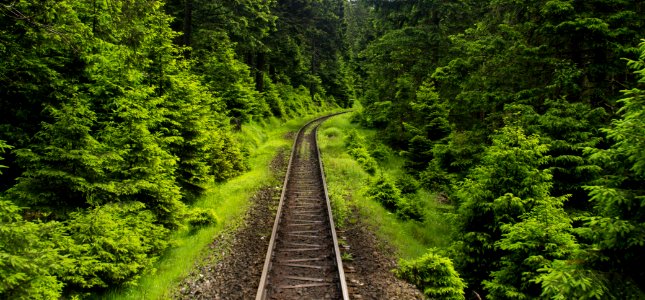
(229, 200)
(347, 181)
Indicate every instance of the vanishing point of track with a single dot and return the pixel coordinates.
(303, 260)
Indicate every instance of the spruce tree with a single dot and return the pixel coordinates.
(619, 196)
(508, 183)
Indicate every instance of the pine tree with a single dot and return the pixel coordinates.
(29, 258)
(65, 166)
(428, 126)
(543, 235)
(508, 183)
(618, 230)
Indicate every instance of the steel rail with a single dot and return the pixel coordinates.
(263, 287)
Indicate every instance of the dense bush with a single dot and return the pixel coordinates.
(297, 101)
(364, 159)
(384, 190)
(408, 184)
(506, 109)
(435, 275)
(332, 132)
(29, 259)
(380, 152)
(408, 208)
(111, 244)
(355, 144)
(199, 217)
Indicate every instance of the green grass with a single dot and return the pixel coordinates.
(347, 180)
(229, 200)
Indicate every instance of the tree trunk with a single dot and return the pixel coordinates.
(259, 72)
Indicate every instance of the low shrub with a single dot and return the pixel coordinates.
(332, 132)
(199, 217)
(339, 204)
(112, 244)
(381, 152)
(384, 191)
(29, 259)
(409, 209)
(435, 275)
(356, 148)
(408, 184)
(362, 156)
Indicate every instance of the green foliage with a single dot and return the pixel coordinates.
(408, 208)
(197, 135)
(568, 128)
(357, 149)
(617, 229)
(452, 160)
(111, 244)
(571, 280)
(434, 274)
(473, 95)
(541, 237)
(3, 147)
(306, 48)
(364, 159)
(229, 77)
(427, 126)
(508, 184)
(271, 97)
(118, 121)
(339, 205)
(65, 164)
(408, 184)
(199, 217)
(29, 259)
(383, 190)
(297, 101)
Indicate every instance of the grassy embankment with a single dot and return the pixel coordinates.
(347, 182)
(229, 200)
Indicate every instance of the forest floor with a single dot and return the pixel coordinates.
(232, 268)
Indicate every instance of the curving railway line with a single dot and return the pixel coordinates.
(303, 260)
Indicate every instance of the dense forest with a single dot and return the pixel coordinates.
(115, 115)
(527, 116)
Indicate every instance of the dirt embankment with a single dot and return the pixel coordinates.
(369, 272)
(234, 264)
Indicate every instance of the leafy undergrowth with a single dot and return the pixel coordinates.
(229, 200)
(407, 217)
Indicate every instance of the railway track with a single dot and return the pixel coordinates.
(303, 260)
